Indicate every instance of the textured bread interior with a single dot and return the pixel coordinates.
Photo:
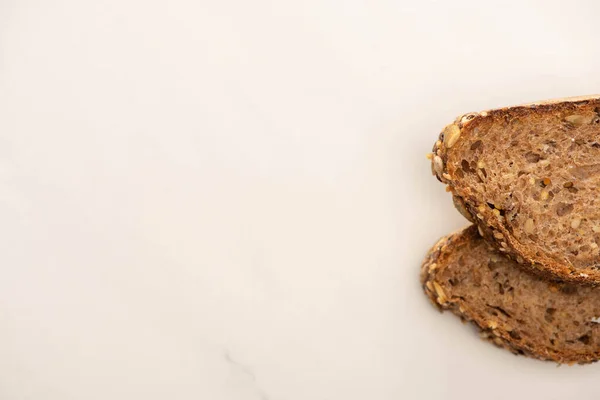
(541, 170)
(553, 320)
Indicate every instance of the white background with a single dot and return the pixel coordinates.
(225, 200)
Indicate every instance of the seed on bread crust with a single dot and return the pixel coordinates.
(438, 165)
(429, 285)
(440, 292)
(466, 118)
(451, 135)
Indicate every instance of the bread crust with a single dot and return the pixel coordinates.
(436, 262)
(492, 227)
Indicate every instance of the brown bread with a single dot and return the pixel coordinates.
(529, 176)
(514, 309)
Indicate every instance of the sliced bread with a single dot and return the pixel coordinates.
(514, 309)
(529, 176)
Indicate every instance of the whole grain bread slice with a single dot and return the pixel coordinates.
(513, 308)
(529, 177)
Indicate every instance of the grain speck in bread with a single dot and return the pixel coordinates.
(514, 309)
(529, 176)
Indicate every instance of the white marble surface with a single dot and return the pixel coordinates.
(226, 200)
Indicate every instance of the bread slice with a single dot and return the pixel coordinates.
(529, 176)
(514, 309)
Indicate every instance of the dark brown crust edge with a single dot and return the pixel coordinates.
(490, 225)
(436, 261)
